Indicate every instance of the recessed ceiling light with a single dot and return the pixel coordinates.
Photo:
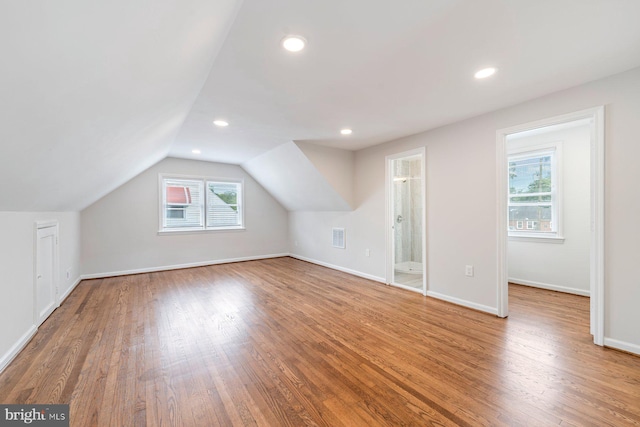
(220, 123)
(294, 43)
(485, 72)
(195, 151)
(346, 131)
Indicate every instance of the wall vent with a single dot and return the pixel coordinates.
(338, 238)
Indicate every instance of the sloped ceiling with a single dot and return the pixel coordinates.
(93, 92)
(280, 170)
(337, 166)
(388, 69)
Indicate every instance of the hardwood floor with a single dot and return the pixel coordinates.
(284, 342)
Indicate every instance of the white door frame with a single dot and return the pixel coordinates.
(596, 115)
(39, 225)
(389, 220)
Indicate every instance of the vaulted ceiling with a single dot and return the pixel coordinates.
(93, 93)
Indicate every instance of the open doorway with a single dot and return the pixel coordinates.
(549, 207)
(550, 198)
(406, 248)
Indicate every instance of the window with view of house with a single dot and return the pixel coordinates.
(200, 204)
(178, 199)
(533, 193)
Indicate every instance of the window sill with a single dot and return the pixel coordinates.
(176, 231)
(536, 239)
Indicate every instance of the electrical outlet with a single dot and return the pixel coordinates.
(468, 270)
(69, 273)
(367, 252)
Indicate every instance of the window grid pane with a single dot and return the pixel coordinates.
(531, 193)
(182, 203)
(200, 204)
(223, 207)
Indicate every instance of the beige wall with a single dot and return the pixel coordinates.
(120, 231)
(461, 178)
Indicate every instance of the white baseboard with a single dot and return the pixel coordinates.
(621, 345)
(24, 340)
(464, 303)
(68, 292)
(550, 287)
(178, 266)
(17, 348)
(343, 269)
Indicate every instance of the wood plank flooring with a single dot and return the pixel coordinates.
(284, 342)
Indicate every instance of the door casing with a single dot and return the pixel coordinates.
(389, 221)
(596, 115)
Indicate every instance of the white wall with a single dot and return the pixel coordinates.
(17, 249)
(560, 266)
(461, 178)
(453, 239)
(335, 164)
(120, 231)
(295, 181)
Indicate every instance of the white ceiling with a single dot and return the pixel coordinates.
(388, 69)
(92, 93)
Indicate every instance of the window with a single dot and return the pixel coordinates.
(176, 212)
(533, 193)
(200, 204)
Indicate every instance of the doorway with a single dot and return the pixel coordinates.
(545, 225)
(46, 270)
(406, 212)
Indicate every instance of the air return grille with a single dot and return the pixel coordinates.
(338, 238)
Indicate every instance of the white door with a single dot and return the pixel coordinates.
(46, 255)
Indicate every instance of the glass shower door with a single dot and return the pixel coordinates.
(407, 216)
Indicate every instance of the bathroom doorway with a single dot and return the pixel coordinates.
(406, 248)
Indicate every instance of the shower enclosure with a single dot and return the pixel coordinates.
(406, 212)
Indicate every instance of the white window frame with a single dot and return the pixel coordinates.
(182, 209)
(555, 149)
(162, 229)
